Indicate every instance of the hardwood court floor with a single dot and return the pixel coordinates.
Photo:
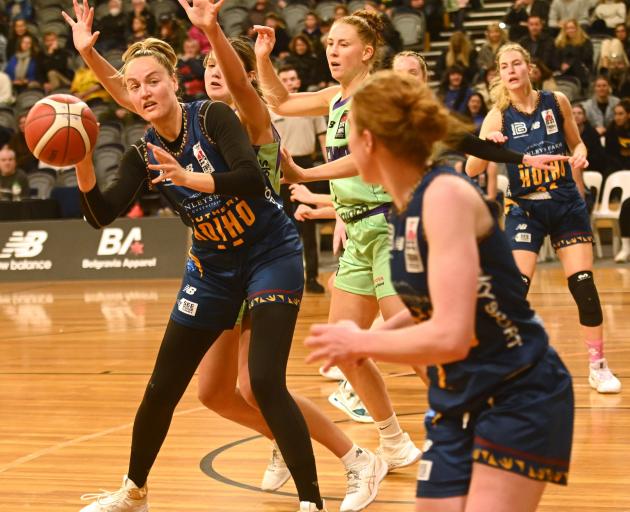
(75, 358)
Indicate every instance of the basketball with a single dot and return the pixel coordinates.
(60, 130)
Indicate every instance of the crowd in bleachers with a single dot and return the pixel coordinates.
(580, 47)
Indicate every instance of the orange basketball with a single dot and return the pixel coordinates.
(60, 130)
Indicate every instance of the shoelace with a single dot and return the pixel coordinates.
(353, 481)
(98, 496)
(276, 460)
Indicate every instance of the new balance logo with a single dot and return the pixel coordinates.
(24, 245)
(190, 290)
(581, 277)
(521, 227)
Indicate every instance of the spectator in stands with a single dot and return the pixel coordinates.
(619, 76)
(312, 30)
(476, 110)
(19, 29)
(197, 34)
(139, 9)
(6, 89)
(430, 10)
(53, 64)
(621, 33)
(258, 12)
(460, 52)
(281, 48)
(574, 52)
(301, 58)
(3, 51)
(618, 137)
(24, 158)
(13, 181)
(519, 13)
(457, 10)
(537, 42)
(600, 108)
(563, 10)
(454, 90)
(303, 137)
(19, 9)
(171, 30)
(484, 86)
(113, 29)
(611, 54)
(541, 76)
(139, 31)
(596, 155)
(606, 16)
(23, 67)
(86, 86)
(191, 71)
(340, 11)
(495, 38)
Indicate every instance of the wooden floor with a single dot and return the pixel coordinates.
(75, 357)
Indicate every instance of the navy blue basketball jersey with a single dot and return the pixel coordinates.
(219, 222)
(540, 132)
(509, 338)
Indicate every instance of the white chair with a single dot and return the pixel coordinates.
(619, 179)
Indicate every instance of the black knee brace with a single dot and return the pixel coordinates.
(582, 287)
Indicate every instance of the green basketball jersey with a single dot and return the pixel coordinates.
(352, 196)
(268, 156)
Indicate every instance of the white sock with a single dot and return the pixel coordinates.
(355, 455)
(389, 430)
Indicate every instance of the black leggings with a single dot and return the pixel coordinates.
(180, 354)
(624, 219)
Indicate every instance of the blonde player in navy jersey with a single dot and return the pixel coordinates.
(501, 418)
(541, 202)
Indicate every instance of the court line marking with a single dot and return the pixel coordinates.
(88, 437)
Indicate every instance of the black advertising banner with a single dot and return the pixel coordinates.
(72, 249)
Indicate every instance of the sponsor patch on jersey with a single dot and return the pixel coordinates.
(399, 243)
(519, 129)
(523, 237)
(203, 160)
(550, 121)
(187, 307)
(424, 470)
(413, 262)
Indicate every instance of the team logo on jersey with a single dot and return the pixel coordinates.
(424, 470)
(523, 237)
(413, 262)
(203, 160)
(519, 129)
(550, 121)
(187, 307)
(536, 125)
(24, 245)
(341, 128)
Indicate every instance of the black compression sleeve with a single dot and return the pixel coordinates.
(245, 177)
(103, 207)
(487, 150)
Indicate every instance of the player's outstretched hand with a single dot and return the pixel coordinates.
(335, 344)
(496, 137)
(544, 161)
(168, 167)
(303, 212)
(82, 36)
(578, 162)
(301, 194)
(291, 172)
(203, 13)
(265, 41)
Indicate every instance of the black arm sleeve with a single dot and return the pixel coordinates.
(103, 207)
(245, 177)
(486, 150)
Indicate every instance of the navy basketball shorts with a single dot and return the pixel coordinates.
(567, 222)
(525, 427)
(216, 284)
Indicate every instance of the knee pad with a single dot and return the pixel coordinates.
(582, 287)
